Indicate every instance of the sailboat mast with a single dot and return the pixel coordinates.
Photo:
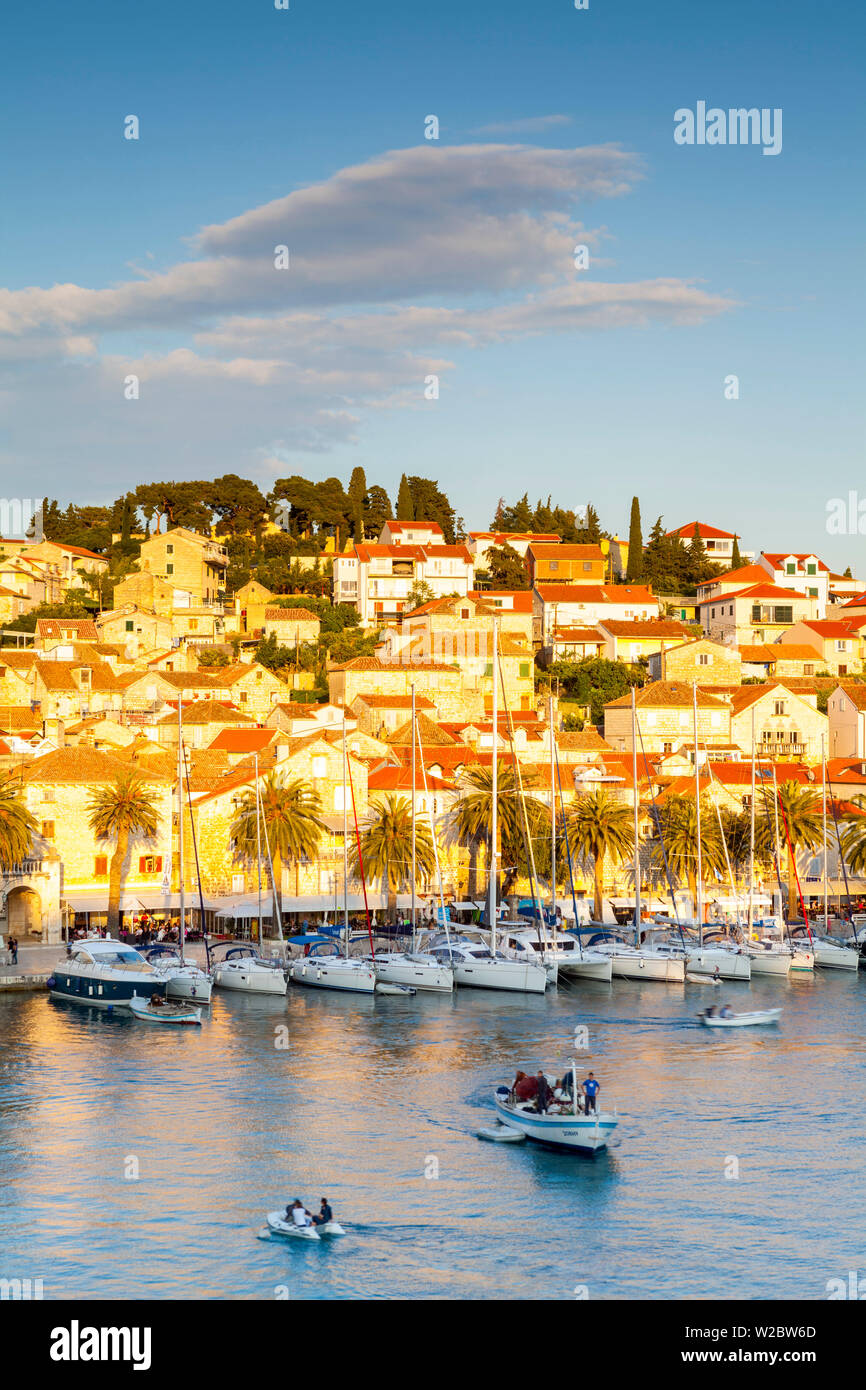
(258, 842)
(699, 884)
(345, 843)
(824, 818)
(636, 821)
(494, 790)
(752, 834)
(180, 934)
(414, 932)
(552, 816)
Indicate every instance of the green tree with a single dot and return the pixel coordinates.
(420, 593)
(121, 810)
(800, 809)
(506, 568)
(736, 558)
(634, 570)
(472, 816)
(17, 825)
(677, 823)
(405, 506)
(291, 816)
(386, 848)
(377, 510)
(598, 826)
(854, 839)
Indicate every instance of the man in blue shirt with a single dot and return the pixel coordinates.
(591, 1089)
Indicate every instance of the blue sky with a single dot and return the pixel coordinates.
(453, 257)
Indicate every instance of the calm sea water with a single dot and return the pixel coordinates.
(372, 1095)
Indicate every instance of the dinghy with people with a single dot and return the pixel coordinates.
(157, 1009)
(726, 1018)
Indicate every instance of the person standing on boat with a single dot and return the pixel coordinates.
(591, 1088)
(543, 1093)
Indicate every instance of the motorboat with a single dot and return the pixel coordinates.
(183, 978)
(475, 965)
(278, 1224)
(638, 963)
(326, 968)
(242, 968)
(562, 951)
(155, 1009)
(713, 1019)
(103, 972)
(559, 1127)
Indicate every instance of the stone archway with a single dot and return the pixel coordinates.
(24, 914)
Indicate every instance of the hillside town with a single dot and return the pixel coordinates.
(392, 642)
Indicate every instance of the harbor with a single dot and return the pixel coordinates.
(373, 1102)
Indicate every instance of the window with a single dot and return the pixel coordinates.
(339, 803)
(243, 697)
(668, 748)
(150, 864)
(100, 866)
(169, 549)
(790, 568)
(46, 830)
(553, 565)
(841, 645)
(813, 593)
(193, 624)
(779, 707)
(47, 793)
(237, 883)
(811, 569)
(464, 612)
(524, 670)
(808, 669)
(320, 767)
(488, 668)
(169, 569)
(587, 567)
(129, 625)
(705, 659)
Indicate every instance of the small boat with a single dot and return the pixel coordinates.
(281, 1227)
(389, 987)
(149, 1011)
(501, 1134)
(702, 980)
(748, 1020)
(242, 969)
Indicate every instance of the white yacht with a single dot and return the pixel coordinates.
(639, 963)
(104, 972)
(183, 978)
(243, 969)
(770, 958)
(474, 964)
(520, 942)
(415, 969)
(828, 954)
(326, 968)
(714, 957)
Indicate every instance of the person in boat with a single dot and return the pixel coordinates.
(543, 1093)
(156, 1001)
(710, 1011)
(591, 1088)
(299, 1214)
(325, 1214)
(524, 1087)
(726, 1011)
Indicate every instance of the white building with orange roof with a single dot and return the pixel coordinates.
(411, 533)
(837, 644)
(718, 544)
(787, 726)
(846, 712)
(665, 718)
(630, 640)
(480, 542)
(378, 579)
(756, 614)
(577, 605)
(804, 572)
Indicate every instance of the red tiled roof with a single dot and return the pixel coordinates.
(242, 740)
(389, 779)
(595, 593)
(521, 599)
(765, 590)
(778, 557)
(707, 532)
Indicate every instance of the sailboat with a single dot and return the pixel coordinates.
(829, 954)
(326, 967)
(474, 957)
(183, 978)
(416, 969)
(242, 967)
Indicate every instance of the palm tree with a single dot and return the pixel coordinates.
(119, 811)
(599, 825)
(291, 816)
(473, 815)
(678, 828)
(17, 825)
(386, 847)
(800, 810)
(854, 838)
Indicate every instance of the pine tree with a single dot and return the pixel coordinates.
(736, 557)
(634, 570)
(405, 508)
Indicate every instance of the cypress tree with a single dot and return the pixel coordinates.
(634, 569)
(405, 508)
(736, 557)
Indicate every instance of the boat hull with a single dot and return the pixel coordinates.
(583, 969)
(250, 981)
(334, 975)
(771, 963)
(836, 957)
(730, 965)
(666, 969)
(522, 979)
(288, 1228)
(184, 1017)
(189, 987)
(751, 1020)
(420, 975)
(577, 1133)
(97, 991)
